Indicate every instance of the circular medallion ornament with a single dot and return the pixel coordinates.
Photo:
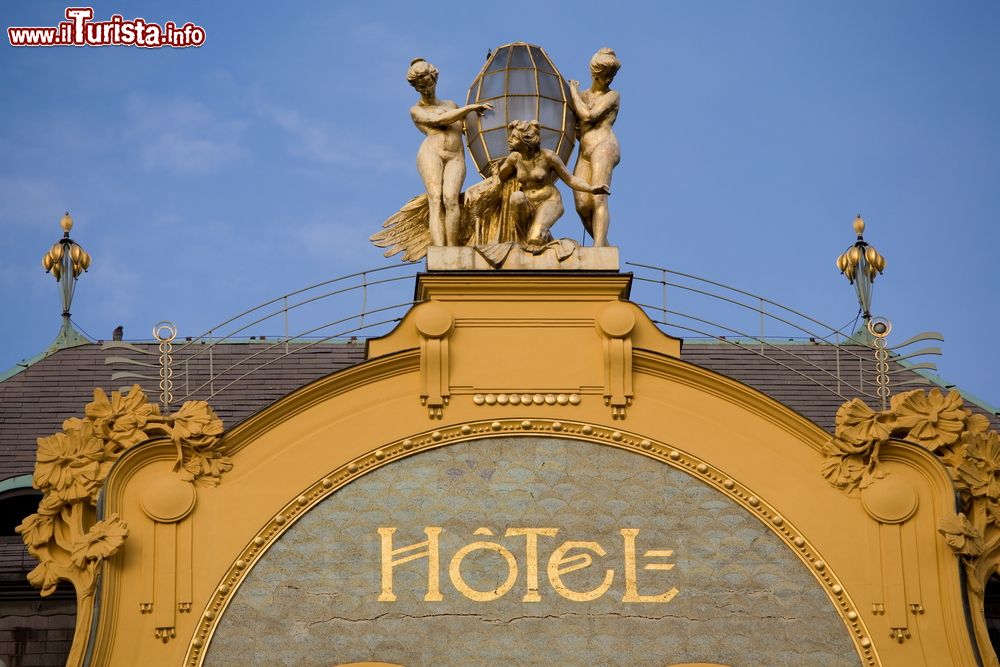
(168, 498)
(889, 500)
(616, 321)
(433, 320)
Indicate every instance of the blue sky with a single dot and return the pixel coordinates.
(204, 181)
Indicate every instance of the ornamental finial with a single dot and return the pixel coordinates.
(66, 223)
(861, 263)
(66, 260)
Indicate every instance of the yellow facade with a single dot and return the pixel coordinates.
(507, 357)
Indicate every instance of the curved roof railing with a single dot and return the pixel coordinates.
(366, 304)
(734, 311)
(362, 304)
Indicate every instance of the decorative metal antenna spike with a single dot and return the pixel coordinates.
(165, 332)
(861, 263)
(879, 328)
(66, 260)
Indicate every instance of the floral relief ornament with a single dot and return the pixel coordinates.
(858, 424)
(121, 420)
(70, 469)
(932, 419)
(852, 454)
(68, 464)
(961, 535)
(195, 434)
(979, 472)
(102, 540)
(970, 452)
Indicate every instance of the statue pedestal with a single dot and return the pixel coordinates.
(464, 258)
(536, 335)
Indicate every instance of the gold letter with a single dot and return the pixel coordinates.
(559, 565)
(631, 589)
(531, 545)
(389, 561)
(455, 569)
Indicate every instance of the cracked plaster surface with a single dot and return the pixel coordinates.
(744, 599)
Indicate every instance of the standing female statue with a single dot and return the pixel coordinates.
(596, 110)
(538, 204)
(441, 158)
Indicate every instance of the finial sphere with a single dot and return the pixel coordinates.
(66, 222)
(859, 225)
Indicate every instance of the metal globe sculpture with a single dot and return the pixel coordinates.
(522, 83)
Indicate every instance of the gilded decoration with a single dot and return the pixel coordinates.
(520, 124)
(309, 498)
(969, 450)
(196, 556)
(70, 470)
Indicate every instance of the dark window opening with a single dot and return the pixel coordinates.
(991, 604)
(15, 506)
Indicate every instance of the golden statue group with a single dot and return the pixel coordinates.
(517, 202)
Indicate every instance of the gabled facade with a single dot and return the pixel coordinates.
(525, 471)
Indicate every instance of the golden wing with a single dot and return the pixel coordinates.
(407, 231)
(481, 206)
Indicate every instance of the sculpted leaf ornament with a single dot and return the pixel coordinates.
(196, 435)
(961, 535)
(852, 454)
(70, 469)
(196, 425)
(851, 471)
(102, 540)
(68, 463)
(932, 419)
(859, 425)
(36, 530)
(121, 420)
(979, 473)
(969, 450)
(45, 577)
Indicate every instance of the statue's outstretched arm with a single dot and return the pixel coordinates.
(443, 118)
(572, 181)
(508, 166)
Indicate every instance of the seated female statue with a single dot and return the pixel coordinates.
(538, 204)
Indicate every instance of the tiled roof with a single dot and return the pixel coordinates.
(804, 375)
(35, 401)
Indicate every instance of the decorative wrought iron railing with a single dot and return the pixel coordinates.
(344, 311)
(341, 310)
(696, 308)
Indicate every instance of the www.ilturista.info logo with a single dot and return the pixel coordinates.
(81, 30)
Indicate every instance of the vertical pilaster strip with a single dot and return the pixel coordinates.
(434, 324)
(914, 598)
(147, 565)
(875, 581)
(615, 324)
(895, 588)
(164, 580)
(184, 561)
